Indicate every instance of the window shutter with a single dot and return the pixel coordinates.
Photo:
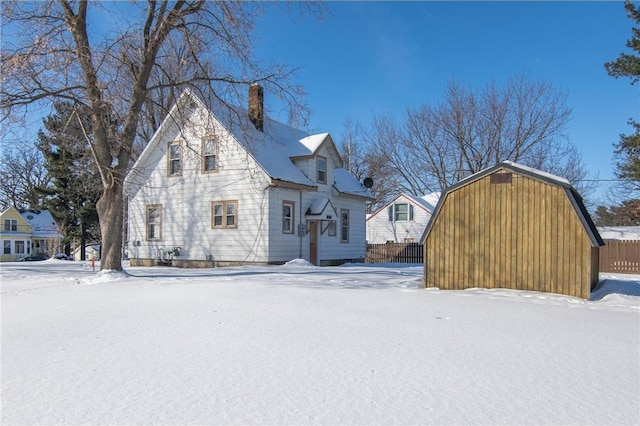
(390, 212)
(410, 211)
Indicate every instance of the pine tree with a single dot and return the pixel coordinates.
(76, 184)
(628, 65)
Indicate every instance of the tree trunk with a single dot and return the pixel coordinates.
(110, 213)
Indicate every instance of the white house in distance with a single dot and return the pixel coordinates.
(217, 187)
(403, 220)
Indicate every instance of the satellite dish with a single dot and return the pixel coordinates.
(368, 182)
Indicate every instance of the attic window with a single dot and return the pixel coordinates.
(499, 178)
(321, 166)
(174, 167)
(209, 154)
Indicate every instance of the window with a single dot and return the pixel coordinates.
(175, 159)
(400, 212)
(328, 226)
(332, 228)
(209, 154)
(154, 222)
(19, 247)
(224, 214)
(288, 217)
(321, 166)
(10, 225)
(344, 226)
(7, 247)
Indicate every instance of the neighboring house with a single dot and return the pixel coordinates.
(91, 251)
(511, 226)
(216, 187)
(619, 232)
(403, 220)
(28, 232)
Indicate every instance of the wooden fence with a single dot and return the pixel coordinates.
(394, 253)
(621, 256)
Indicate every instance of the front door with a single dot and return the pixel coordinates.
(313, 242)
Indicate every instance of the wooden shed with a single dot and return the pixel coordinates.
(513, 227)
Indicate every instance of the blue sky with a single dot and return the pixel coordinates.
(368, 58)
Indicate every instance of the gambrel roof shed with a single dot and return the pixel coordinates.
(511, 226)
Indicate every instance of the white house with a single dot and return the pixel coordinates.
(218, 187)
(403, 220)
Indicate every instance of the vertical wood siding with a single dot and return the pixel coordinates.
(522, 235)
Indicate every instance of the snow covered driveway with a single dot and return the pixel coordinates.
(297, 344)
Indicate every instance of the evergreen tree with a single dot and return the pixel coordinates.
(628, 65)
(76, 185)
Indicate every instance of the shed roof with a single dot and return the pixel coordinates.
(572, 194)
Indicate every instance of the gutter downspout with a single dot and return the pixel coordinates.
(300, 230)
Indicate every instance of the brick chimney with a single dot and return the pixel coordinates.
(256, 106)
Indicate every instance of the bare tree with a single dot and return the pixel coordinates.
(129, 68)
(523, 121)
(22, 175)
(363, 162)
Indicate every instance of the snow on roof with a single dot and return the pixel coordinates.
(432, 199)
(313, 142)
(619, 232)
(428, 201)
(42, 223)
(541, 173)
(318, 206)
(345, 182)
(272, 148)
(514, 166)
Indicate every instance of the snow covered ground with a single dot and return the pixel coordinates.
(298, 344)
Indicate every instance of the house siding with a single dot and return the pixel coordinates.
(381, 230)
(186, 201)
(522, 235)
(285, 247)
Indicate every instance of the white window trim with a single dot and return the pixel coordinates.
(292, 218)
(158, 225)
(325, 171)
(347, 226)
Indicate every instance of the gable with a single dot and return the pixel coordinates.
(421, 203)
(12, 213)
(274, 149)
(271, 149)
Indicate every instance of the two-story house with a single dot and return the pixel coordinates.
(28, 232)
(218, 186)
